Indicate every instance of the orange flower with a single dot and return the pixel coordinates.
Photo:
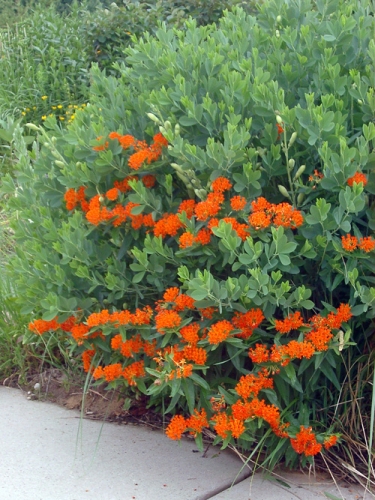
(183, 301)
(40, 326)
(149, 181)
(219, 331)
(349, 243)
(292, 322)
(127, 141)
(221, 184)
(186, 240)
(160, 139)
(133, 371)
(79, 332)
(176, 427)
(305, 442)
(299, 350)
(170, 294)
(358, 177)
(236, 427)
(123, 185)
(190, 333)
(136, 160)
(221, 425)
(168, 226)
(238, 203)
(329, 442)
(203, 236)
(247, 322)
(70, 198)
(320, 338)
(197, 421)
(280, 130)
(87, 358)
(109, 372)
(251, 385)
(196, 354)
(167, 319)
(260, 354)
(210, 207)
(259, 220)
(367, 244)
(188, 207)
(112, 194)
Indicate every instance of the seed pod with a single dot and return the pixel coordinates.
(279, 19)
(292, 139)
(177, 129)
(167, 125)
(299, 172)
(283, 191)
(279, 119)
(32, 126)
(300, 199)
(59, 163)
(153, 118)
(291, 163)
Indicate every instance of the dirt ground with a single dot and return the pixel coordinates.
(95, 403)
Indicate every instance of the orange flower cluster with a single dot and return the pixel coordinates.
(247, 322)
(40, 326)
(358, 177)
(210, 206)
(187, 239)
(305, 442)
(125, 317)
(351, 243)
(220, 331)
(143, 152)
(238, 203)
(221, 184)
(167, 319)
(115, 371)
(72, 198)
(264, 214)
(292, 322)
(87, 359)
(250, 385)
(329, 442)
(169, 225)
(224, 424)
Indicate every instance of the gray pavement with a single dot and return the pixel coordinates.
(49, 453)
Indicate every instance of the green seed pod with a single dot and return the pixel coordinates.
(292, 139)
(32, 126)
(153, 118)
(299, 172)
(283, 191)
(300, 199)
(291, 163)
(279, 119)
(279, 19)
(167, 125)
(177, 129)
(59, 163)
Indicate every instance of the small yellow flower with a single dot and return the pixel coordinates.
(23, 113)
(44, 97)
(61, 118)
(53, 107)
(34, 107)
(27, 109)
(44, 117)
(59, 106)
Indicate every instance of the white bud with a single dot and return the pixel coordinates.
(153, 118)
(291, 163)
(299, 172)
(292, 139)
(279, 119)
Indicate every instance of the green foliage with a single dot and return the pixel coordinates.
(281, 104)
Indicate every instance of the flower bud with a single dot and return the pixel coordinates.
(101, 199)
(279, 119)
(279, 19)
(283, 191)
(32, 126)
(292, 139)
(360, 102)
(153, 118)
(299, 172)
(59, 163)
(277, 34)
(163, 130)
(177, 129)
(167, 125)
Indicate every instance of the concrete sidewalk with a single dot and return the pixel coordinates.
(49, 453)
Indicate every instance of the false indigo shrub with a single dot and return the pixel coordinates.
(202, 232)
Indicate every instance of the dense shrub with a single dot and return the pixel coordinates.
(202, 231)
